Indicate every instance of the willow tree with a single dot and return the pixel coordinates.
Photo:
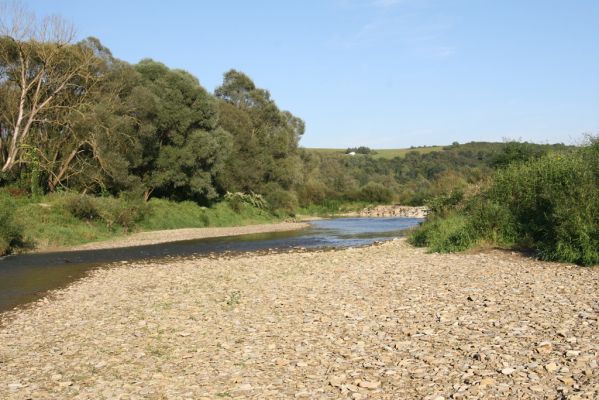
(42, 74)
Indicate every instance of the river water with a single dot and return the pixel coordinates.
(24, 278)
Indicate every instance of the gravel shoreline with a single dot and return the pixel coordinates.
(381, 322)
(175, 235)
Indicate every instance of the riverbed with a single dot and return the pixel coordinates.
(27, 277)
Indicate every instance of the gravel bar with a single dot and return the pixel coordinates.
(380, 322)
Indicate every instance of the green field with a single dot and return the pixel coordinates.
(382, 153)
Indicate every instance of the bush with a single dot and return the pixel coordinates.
(375, 193)
(549, 204)
(237, 201)
(313, 192)
(81, 206)
(280, 200)
(445, 235)
(11, 233)
(124, 211)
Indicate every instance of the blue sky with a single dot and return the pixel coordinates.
(379, 73)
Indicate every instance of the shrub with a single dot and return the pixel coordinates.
(11, 232)
(238, 200)
(313, 192)
(443, 235)
(280, 200)
(81, 206)
(125, 211)
(375, 193)
(549, 204)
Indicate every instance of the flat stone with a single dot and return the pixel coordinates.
(488, 381)
(369, 384)
(544, 347)
(551, 367)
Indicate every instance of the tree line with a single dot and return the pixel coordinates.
(73, 117)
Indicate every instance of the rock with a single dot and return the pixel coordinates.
(566, 380)
(507, 371)
(369, 384)
(15, 386)
(351, 388)
(337, 381)
(551, 367)
(544, 347)
(281, 362)
(488, 381)
(244, 387)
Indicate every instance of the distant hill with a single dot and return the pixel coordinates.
(392, 153)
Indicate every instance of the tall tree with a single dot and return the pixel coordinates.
(265, 147)
(41, 73)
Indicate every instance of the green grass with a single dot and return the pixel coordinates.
(381, 153)
(67, 219)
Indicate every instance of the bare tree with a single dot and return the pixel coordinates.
(41, 71)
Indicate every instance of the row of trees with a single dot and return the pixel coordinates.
(73, 116)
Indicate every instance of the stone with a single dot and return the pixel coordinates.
(551, 367)
(544, 347)
(369, 384)
(336, 381)
(507, 371)
(244, 387)
(566, 380)
(281, 362)
(488, 381)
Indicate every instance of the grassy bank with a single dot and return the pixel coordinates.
(66, 219)
(549, 205)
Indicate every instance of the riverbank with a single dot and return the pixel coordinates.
(393, 210)
(385, 322)
(176, 235)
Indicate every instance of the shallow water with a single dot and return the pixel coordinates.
(24, 278)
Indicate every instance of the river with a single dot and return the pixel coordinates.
(25, 278)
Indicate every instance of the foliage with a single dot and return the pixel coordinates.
(548, 203)
(238, 200)
(11, 232)
(281, 201)
(124, 211)
(374, 192)
(360, 150)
